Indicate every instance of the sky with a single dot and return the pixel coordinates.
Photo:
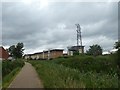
(43, 25)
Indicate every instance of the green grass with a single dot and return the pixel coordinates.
(8, 66)
(58, 76)
(100, 64)
(9, 78)
(10, 70)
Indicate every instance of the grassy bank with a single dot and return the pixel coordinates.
(58, 76)
(8, 66)
(9, 78)
(100, 64)
(10, 70)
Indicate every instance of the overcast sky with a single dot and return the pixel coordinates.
(47, 25)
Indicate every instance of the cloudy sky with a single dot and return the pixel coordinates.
(43, 25)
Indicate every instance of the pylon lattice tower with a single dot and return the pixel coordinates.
(79, 37)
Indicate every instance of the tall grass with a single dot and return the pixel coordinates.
(84, 63)
(9, 70)
(8, 66)
(58, 76)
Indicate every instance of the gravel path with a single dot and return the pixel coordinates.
(26, 78)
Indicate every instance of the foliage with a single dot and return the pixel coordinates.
(58, 76)
(117, 45)
(76, 53)
(95, 50)
(8, 66)
(85, 63)
(16, 51)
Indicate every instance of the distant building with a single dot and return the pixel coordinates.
(73, 49)
(65, 54)
(27, 56)
(4, 55)
(49, 54)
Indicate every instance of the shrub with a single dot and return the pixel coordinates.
(8, 66)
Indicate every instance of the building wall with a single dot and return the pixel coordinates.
(70, 53)
(27, 56)
(56, 54)
(45, 55)
(81, 50)
(73, 49)
(3, 54)
(39, 56)
(33, 56)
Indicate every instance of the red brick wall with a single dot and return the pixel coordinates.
(3, 53)
(56, 54)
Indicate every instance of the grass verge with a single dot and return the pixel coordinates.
(59, 76)
(9, 78)
(100, 64)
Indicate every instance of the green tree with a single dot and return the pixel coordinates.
(95, 50)
(117, 45)
(16, 51)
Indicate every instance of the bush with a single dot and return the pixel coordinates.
(8, 66)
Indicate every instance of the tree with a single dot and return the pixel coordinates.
(95, 50)
(16, 51)
(117, 45)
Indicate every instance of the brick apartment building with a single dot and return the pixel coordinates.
(4, 55)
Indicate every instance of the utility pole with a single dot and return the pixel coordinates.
(79, 37)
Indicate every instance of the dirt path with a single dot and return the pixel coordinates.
(26, 78)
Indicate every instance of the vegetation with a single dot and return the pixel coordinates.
(80, 71)
(16, 51)
(117, 45)
(8, 78)
(95, 50)
(84, 63)
(8, 66)
(58, 76)
(9, 70)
